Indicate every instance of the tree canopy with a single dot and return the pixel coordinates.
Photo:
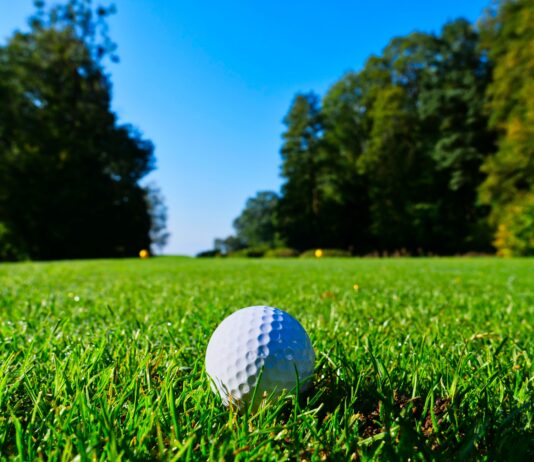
(427, 149)
(69, 171)
(508, 37)
(256, 226)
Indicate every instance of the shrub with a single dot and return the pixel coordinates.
(515, 232)
(325, 253)
(249, 252)
(281, 252)
(209, 254)
(11, 248)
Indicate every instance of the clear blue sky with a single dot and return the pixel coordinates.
(209, 83)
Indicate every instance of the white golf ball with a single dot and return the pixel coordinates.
(261, 350)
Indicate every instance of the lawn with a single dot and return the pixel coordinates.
(421, 359)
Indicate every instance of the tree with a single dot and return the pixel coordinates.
(158, 217)
(392, 158)
(346, 124)
(228, 245)
(300, 204)
(509, 187)
(256, 226)
(69, 173)
(389, 161)
(454, 132)
(395, 155)
(425, 141)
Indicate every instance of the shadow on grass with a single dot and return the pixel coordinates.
(400, 425)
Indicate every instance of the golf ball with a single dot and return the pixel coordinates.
(257, 352)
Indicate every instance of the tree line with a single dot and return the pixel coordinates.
(69, 171)
(428, 149)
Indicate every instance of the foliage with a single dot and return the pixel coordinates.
(158, 217)
(281, 252)
(421, 359)
(515, 233)
(300, 203)
(508, 37)
(11, 248)
(249, 252)
(69, 172)
(228, 245)
(256, 226)
(256, 229)
(390, 162)
(346, 216)
(209, 254)
(325, 253)
(406, 155)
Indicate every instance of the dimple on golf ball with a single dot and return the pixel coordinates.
(256, 352)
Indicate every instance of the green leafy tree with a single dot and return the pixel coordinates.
(257, 224)
(158, 216)
(69, 173)
(508, 37)
(454, 132)
(389, 162)
(394, 155)
(346, 124)
(425, 140)
(228, 245)
(300, 204)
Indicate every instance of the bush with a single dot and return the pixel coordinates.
(249, 252)
(325, 253)
(281, 252)
(515, 232)
(209, 254)
(11, 248)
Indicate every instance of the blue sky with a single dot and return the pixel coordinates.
(209, 83)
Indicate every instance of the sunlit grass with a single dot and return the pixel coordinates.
(422, 358)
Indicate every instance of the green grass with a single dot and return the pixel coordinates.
(429, 359)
